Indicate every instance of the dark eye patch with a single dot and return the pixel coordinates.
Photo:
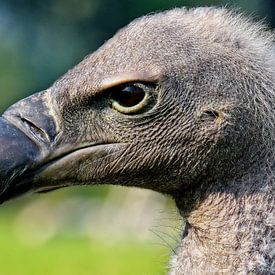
(128, 95)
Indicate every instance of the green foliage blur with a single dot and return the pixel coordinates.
(40, 41)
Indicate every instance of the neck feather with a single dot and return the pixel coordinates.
(230, 228)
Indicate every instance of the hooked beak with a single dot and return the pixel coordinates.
(26, 133)
(33, 157)
(17, 154)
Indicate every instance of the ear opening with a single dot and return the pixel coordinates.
(213, 115)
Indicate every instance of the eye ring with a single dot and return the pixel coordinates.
(131, 98)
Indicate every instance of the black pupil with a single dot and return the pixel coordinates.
(128, 96)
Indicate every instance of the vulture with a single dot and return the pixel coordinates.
(181, 102)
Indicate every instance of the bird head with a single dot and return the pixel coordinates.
(172, 100)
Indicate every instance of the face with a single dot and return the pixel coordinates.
(147, 109)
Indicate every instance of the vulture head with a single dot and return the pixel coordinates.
(181, 102)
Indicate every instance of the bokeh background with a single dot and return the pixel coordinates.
(99, 230)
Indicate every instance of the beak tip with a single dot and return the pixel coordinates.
(17, 152)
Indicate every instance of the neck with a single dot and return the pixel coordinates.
(229, 229)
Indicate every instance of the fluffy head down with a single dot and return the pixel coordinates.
(213, 73)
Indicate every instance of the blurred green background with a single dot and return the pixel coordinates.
(100, 230)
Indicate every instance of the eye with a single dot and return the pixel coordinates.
(129, 98)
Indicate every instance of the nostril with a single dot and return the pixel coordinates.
(35, 130)
(35, 117)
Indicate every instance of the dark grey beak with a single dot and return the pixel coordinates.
(17, 154)
(37, 155)
(26, 131)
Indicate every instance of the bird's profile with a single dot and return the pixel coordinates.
(181, 102)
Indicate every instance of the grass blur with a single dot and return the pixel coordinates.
(57, 234)
(70, 256)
